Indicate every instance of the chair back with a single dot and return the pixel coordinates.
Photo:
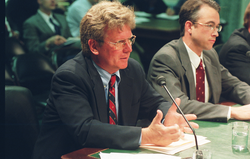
(33, 71)
(13, 47)
(9, 76)
(21, 124)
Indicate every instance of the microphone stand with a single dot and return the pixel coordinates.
(161, 81)
(196, 142)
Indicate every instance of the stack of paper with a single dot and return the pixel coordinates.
(135, 156)
(187, 142)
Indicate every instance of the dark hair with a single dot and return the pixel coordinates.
(247, 16)
(189, 11)
(101, 17)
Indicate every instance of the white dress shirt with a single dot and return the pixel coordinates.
(195, 61)
(76, 12)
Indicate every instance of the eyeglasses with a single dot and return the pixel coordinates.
(212, 27)
(120, 44)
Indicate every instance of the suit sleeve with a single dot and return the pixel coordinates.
(233, 88)
(234, 58)
(31, 38)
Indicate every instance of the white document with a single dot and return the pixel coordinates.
(187, 142)
(135, 156)
(139, 20)
(142, 14)
(165, 16)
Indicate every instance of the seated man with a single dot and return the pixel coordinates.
(44, 31)
(192, 69)
(84, 109)
(233, 55)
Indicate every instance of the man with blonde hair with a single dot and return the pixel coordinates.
(98, 96)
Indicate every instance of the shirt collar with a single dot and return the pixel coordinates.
(45, 16)
(194, 58)
(105, 76)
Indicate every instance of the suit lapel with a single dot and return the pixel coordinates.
(212, 76)
(101, 106)
(125, 96)
(42, 24)
(186, 64)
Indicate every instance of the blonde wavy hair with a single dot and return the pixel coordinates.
(101, 17)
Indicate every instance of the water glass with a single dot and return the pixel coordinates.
(240, 132)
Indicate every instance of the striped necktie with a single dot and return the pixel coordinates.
(111, 97)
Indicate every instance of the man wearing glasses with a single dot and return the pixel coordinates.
(192, 69)
(98, 96)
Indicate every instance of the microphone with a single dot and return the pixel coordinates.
(160, 80)
(248, 53)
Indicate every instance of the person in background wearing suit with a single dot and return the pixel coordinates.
(45, 30)
(192, 69)
(233, 54)
(79, 111)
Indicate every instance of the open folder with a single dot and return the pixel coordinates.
(187, 142)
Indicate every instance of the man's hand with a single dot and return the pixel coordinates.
(241, 113)
(55, 40)
(159, 134)
(172, 117)
(172, 129)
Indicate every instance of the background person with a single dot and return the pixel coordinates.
(233, 54)
(76, 12)
(45, 30)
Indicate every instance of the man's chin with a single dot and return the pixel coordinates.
(124, 66)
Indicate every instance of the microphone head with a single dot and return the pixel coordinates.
(248, 53)
(161, 80)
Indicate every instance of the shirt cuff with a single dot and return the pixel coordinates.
(140, 140)
(229, 113)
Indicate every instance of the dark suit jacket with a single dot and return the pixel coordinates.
(233, 54)
(77, 114)
(172, 61)
(36, 32)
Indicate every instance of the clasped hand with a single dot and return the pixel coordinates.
(173, 128)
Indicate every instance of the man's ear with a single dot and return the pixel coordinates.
(188, 26)
(93, 44)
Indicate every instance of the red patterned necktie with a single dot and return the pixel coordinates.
(200, 85)
(111, 97)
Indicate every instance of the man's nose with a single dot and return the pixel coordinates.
(128, 46)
